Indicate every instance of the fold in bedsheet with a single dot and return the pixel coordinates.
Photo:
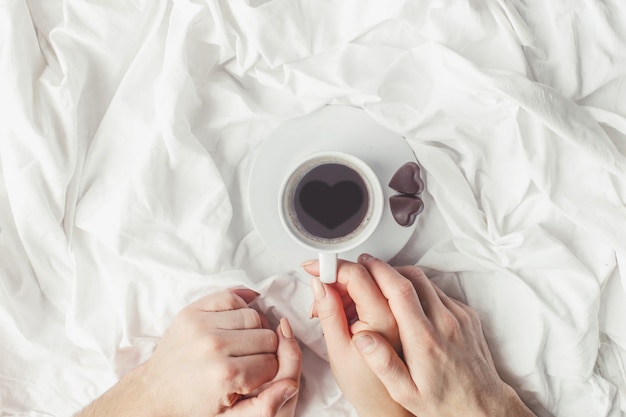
(127, 131)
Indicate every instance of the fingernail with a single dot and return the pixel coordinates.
(290, 393)
(308, 263)
(318, 289)
(364, 343)
(285, 327)
(365, 257)
(311, 311)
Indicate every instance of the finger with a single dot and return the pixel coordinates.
(288, 353)
(473, 315)
(246, 342)
(355, 278)
(385, 363)
(371, 306)
(243, 318)
(289, 362)
(312, 267)
(430, 300)
(451, 304)
(223, 301)
(267, 403)
(361, 293)
(403, 301)
(467, 315)
(247, 373)
(331, 315)
(348, 304)
(246, 294)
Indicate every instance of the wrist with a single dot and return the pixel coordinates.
(130, 396)
(510, 405)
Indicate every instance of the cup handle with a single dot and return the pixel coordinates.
(328, 267)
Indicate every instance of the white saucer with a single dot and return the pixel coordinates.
(336, 128)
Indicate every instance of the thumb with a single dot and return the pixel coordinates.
(267, 403)
(385, 363)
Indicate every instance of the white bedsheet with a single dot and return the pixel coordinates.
(128, 128)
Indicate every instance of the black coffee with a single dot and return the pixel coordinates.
(331, 201)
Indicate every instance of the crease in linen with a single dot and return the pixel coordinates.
(128, 130)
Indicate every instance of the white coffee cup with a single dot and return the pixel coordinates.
(320, 208)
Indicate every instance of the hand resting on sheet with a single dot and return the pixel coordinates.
(399, 346)
(218, 358)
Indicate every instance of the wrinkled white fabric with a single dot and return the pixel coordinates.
(128, 130)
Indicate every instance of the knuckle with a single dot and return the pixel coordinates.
(351, 271)
(404, 288)
(213, 344)
(358, 270)
(413, 273)
(232, 301)
(226, 371)
(466, 314)
(377, 263)
(402, 396)
(326, 312)
(185, 316)
(252, 319)
(429, 338)
(190, 325)
(383, 365)
(388, 324)
(450, 325)
(270, 340)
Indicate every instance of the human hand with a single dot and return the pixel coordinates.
(289, 368)
(447, 368)
(355, 298)
(216, 359)
(216, 352)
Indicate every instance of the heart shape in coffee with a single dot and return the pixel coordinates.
(331, 205)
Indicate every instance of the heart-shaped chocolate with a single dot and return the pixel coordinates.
(331, 205)
(407, 179)
(405, 208)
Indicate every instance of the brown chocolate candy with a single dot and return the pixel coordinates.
(407, 179)
(405, 208)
